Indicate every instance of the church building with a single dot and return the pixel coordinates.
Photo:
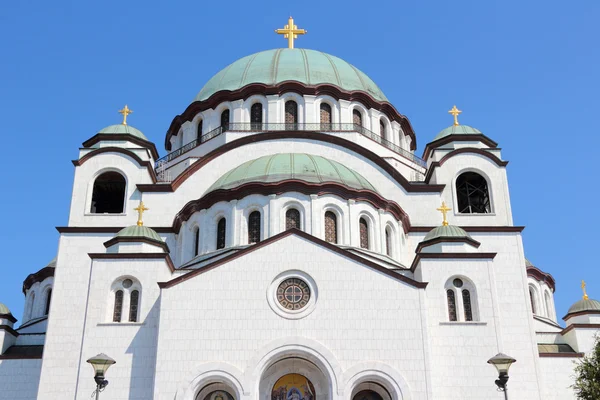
(291, 245)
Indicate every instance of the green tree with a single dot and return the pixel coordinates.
(587, 378)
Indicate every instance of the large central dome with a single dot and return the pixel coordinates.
(309, 67)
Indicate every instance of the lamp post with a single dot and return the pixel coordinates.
(100, 363)
(502, 362)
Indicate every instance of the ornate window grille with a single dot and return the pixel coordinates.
(472, 193)
(221, 230)
(256, 116)
(254, 227)
(451, 305)
(291, 115)
(331, 227)
(364, 233)
(325, 117)
(292, 219)
(225, 120)
(118, 310)
(196, 241)
(133, 305)
(357, 118)
(467, 305)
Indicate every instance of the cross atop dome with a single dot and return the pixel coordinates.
(125, 111)
(290, 32)
(455, 112)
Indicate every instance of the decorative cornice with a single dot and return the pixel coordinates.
(447, 239)
(542, 276)
(120, 150)
(578, 326)
(473, 150)
(307, 135)
(9, 317)
(562, 355)
(294, 231)
(457, 138)
(105, 229)
(284, 87)
(39, 276)
(576, 314)
(483, 229)
(450, 256)
(130, 239)
(9, 330)
(124, 137)
(134, 256)
(291, 185)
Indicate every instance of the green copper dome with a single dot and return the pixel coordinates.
(285, 166)
(446, 231)
(139, 232)
(458, 130)
(584, 305)
(4, 309)
(121, 129)
(309, 67)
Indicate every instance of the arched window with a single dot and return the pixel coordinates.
(364, 233)
(256, 116)
(548, 305)
(134, 299)
(472, 193)
(118, 308)
(357, 119)
(331, 234)
(199, 132)
(291, 115)
(196, 241)
(292, 219)
(254, 227)
(388, 242)
(532, 299)
(225, 120)
(221, 230)
(460, 294)
(30, 305)
(108, 196)
(467, 305)
(48, 298)
(451, 305)
(381, 128)
(325, 117)
(367, 395)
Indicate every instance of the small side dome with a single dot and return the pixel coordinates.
(446, 231)
(458, 130)
(585, 305)
(4, 309)
(136, 231)
(120, 129)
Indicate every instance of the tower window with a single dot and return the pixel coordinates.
(108, 195)
(221, 230)
(460, 294)
(256, 116)
(225, 120)
(134, 299)
(199, 131)
(126, 297)
(388, 242)
(292, 219)
(254, 227)
(451, 305)
(291, 115)
(381, 128)
(357, 119)
(331, 235)
(118, 308)
(364, 233)
(467, 305)
(532, 298)
(472, 194)
(48, 298)
(196, 241)
(325, 117)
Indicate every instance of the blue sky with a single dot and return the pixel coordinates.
(523, 72)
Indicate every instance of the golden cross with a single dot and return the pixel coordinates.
(444, 210)
(455, 111)
(140, 209)
(583, 285)
(290, 32)
(125, 111)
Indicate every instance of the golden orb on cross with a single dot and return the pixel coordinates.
(140, 209)
(455, 111)
(291, 32)
(444, 210)
(125, 111)
(583, 286)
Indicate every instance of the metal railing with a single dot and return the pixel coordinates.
(277, 127)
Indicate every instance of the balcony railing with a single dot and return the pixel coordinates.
(277, 127)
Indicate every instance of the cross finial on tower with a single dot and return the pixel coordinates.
(290, 32)
(444, 210)
(455, 111)
(125, 111)
(583, 285)
(140, 209)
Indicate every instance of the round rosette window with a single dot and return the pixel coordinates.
(293, 294)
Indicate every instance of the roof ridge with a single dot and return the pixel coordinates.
(275, 66)
(306, 65)
(335, 70)
(245, 73)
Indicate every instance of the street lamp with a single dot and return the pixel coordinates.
(502, 362)
(100, 363)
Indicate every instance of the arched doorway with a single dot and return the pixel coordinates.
(293, 387)
(294, 378)
(370, 391)
(216, 391)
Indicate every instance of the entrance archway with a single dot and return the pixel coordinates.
(294, 378)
